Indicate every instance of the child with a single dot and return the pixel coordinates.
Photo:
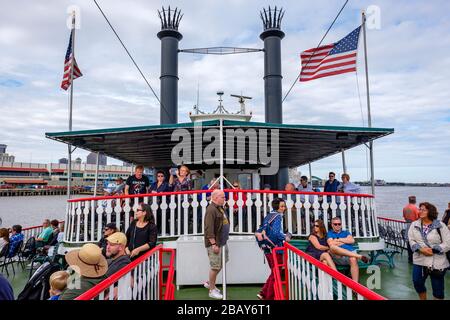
(58, 282)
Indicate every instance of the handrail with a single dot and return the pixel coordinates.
(389, 219)
(102, 286)
(40, 226)
(170, 287)
(159, 194)
(355, 286)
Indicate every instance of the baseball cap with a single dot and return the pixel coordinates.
(111, 226)
(117, 238)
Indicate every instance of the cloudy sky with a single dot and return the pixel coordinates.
(409, 68)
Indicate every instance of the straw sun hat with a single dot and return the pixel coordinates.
(88, 261)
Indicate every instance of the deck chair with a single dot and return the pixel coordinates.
(3, 257)
(11, 258)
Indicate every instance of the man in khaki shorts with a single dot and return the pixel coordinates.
(217, 229)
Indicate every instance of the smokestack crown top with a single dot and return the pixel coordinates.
(170, 19)
(272, 17)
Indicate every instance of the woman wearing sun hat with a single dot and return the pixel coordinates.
(89, 266)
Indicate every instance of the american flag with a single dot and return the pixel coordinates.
(65, 84)
(331, 59)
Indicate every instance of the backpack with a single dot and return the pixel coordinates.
(448, 252)
(264, 232)
(38, 286)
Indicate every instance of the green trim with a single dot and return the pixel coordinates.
(129, 129)
(212, 123)
(304, 126)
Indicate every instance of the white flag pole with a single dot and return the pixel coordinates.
(69, 146)
(369, 117)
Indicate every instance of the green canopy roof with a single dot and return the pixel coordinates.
(152, 145)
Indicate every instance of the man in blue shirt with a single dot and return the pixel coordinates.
(332, 184)
(341, 248)
(16, 237)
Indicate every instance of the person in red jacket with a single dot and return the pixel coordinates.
(410, 214)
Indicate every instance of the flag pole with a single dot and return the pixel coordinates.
(369, 117)
(69, 146)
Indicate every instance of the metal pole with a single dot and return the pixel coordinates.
(310, 174)
(69, 147)
(224, 265)
(344, 166)
(96, 174)
(369, 117)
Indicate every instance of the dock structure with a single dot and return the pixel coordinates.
(38, 192)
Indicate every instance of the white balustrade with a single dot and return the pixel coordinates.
(140, 280)
(309, 279)
(183, 213)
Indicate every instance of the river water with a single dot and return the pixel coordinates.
(30, 211)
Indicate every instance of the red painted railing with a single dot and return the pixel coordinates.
(308, 278)
(134, 281)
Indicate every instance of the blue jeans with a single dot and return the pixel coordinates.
(420, 276)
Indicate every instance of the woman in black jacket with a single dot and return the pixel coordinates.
(142, 233)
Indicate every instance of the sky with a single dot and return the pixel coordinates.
(409, 71)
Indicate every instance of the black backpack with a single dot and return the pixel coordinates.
(448, 252)
(37, 288)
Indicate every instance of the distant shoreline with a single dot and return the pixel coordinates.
(405, 184)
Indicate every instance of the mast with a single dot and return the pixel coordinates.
(69, 146)
(369, 117)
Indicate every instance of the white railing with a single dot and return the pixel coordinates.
(307, 278)
(182, 213)
(31, 232)
(142, 279)
(394, 232)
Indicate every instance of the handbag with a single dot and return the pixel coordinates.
(435, 272)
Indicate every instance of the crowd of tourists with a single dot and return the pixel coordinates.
(428, 238)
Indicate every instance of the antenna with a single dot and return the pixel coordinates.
(241, 101)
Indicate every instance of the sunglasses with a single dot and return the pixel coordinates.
(337, 224)
(160, 176)
(236, 186)
(140, 210)
(316, 226)
(106, 229)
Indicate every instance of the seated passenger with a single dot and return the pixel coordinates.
(115, 252)
(89, 266)
(318, 247)
(16, 237)
(4, 240)
(58, 283)
(341, 248)
(46, 235)
(110, 228)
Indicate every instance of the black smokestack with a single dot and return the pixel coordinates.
(272, 36)
(170, 37)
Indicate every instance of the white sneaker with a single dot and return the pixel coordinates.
(215, 294)
(206, 285)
